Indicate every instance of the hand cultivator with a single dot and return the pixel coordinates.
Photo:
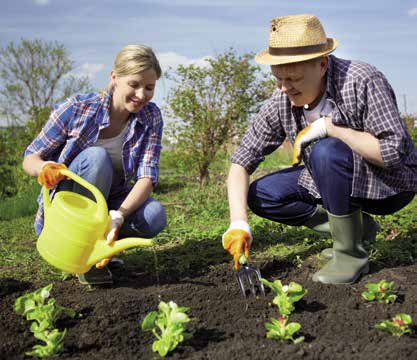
(249, 278)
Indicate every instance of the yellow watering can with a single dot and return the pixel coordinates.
(73, 236)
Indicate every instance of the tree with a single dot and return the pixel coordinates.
(35, 75)
(213, 105)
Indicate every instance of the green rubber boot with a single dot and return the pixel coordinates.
(370, 229)
(350, 259)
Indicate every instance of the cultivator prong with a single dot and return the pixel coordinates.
(249, 277)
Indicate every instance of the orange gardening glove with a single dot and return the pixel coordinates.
(116, 222)
(50, 174)
(237, 241)
(315, 131)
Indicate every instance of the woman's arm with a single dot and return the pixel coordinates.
(33, 164)
(137, 196)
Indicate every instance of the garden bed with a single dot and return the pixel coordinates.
(336, 322)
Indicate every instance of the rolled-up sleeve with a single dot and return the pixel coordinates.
(383, 120)
(264, 135)
(54, 133)
(149, 158)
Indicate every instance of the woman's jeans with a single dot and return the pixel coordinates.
(94, 165)
(278, 196)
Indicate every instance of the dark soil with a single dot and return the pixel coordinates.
(336, 322)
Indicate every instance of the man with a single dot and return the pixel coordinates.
(342, 118)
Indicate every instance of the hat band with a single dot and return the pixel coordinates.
(297, 50)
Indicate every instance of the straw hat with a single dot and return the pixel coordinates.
(296, 38)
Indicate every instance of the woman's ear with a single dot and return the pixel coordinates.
(113, 78)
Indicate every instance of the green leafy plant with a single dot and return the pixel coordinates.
(285, 295)
(382, 291)
(281, 330)
(397, 326)
(171, 321)
(35, 307)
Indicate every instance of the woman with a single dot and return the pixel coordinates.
(112, 140)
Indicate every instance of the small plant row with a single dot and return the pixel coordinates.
(168, 324)
(43, 315)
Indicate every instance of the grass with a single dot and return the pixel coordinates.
(191, 243)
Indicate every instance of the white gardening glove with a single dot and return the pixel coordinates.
(316, 130)
(237, 240)
(116, 222)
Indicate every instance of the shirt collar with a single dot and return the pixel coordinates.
(103, 120)
(329, 79)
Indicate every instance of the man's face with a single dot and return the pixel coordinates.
(303, 82)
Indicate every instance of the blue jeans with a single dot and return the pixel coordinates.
(95, 165)
(278, 196)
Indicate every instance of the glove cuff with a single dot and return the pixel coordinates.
(116, 216)
(240, 225)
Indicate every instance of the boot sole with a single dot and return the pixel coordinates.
(361, 272)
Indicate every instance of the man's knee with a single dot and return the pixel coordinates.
(329, 152)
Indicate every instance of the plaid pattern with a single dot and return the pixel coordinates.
(363, 100)
(75, 124)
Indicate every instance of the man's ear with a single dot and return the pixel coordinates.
(324, 64)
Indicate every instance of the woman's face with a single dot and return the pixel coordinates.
(132, 92)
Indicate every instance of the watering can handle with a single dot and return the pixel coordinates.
(102, 212)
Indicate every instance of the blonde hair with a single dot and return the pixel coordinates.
(132, 60)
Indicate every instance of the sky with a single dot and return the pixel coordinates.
(383, 33)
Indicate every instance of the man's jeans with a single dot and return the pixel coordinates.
(278, 196)
(94, 165)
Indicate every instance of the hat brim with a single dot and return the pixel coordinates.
(264, 57)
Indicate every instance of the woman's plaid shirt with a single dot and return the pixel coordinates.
(75, 124)
(363, 100)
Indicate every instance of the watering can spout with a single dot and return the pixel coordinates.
(102, 250)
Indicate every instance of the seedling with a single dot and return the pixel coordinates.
(381, 292)
(171, 321)
(397, 326)
(33, 306)
(285, 295)
(280, 330)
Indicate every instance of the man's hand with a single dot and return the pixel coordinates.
(237, 240)
(50, 174)
(116, 222)
(316, 130)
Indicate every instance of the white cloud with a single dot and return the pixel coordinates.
(89, 70)
(172, 59)
(412, 12)
(41, 2)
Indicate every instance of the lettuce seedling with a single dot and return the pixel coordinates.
(31, 301)
(44, 315)
(280, 330)
(397, 326)
(171, 321)
(54, 341)
(285, 295)
(382, 292)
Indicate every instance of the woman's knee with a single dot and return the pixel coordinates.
(152, 219)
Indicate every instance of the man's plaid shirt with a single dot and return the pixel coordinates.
(363, 100)
(75, 124)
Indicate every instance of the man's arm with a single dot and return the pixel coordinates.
(237, 191)
(361, 142)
